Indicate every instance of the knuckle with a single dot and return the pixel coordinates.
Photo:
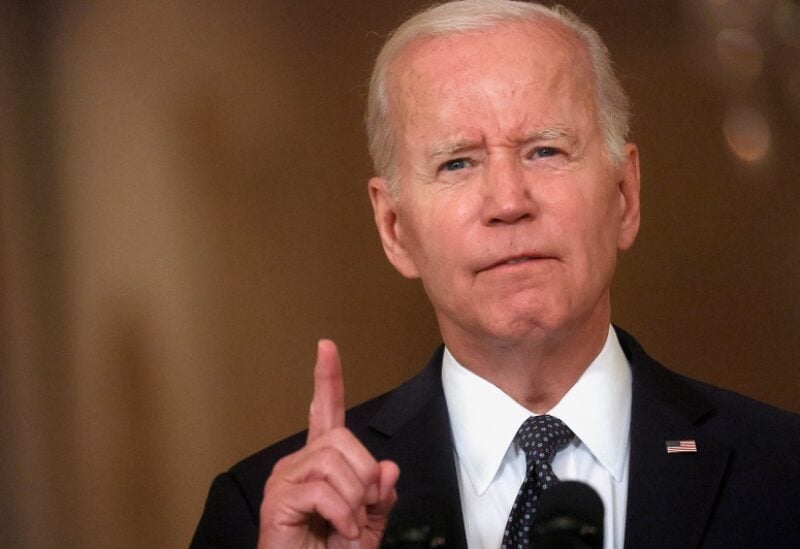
(281, 466)
(326, 457)
(341, 435)
(341, 514)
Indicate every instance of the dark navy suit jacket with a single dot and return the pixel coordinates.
(740, 489)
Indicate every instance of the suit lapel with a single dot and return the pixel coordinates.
(670, 496)
(415, 422)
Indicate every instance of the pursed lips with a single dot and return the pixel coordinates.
(514, 260)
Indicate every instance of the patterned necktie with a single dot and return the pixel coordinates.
(540, 437)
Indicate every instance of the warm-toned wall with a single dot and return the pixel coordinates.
(183, 213)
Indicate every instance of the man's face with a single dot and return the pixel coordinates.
(508, 208)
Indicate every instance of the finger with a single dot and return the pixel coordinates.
(330, 506)
(327, 405)
(330, 465)
(357, 456)
(387, 495)
(378, 513)
(297, 503)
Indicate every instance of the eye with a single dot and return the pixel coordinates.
(455, 165)
(544, 152)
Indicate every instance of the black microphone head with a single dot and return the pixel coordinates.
(421, 519)
(570, 516)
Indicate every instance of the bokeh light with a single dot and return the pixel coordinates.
(740, 54)
(747, 133)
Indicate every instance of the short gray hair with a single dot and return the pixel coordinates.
(464, 16)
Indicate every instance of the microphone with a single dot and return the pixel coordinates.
(570, 516)
(420, 519)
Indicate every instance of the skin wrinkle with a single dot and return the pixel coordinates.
(439, 151)
(567, 51)
(557, 78)
(539, 321)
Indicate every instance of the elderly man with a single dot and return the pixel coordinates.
(506, 185)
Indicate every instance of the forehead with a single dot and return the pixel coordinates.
(518, 73)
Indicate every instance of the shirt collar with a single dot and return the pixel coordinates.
(485, 420)
(598, 407)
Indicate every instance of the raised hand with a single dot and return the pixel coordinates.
(332, 493)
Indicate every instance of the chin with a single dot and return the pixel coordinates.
(512, 332)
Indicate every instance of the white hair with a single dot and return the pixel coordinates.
(464, 16)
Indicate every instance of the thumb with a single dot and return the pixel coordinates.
(378, 513)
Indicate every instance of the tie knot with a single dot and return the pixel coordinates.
(541, 437)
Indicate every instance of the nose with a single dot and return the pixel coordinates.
(507, 199)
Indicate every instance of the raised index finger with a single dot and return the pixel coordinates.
(327, 405)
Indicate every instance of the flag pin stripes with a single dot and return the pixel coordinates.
(681, 446)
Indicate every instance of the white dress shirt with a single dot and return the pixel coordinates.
(491, 468)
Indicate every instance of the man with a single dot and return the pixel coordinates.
(506, 185)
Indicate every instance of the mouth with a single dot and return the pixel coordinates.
(515, 260)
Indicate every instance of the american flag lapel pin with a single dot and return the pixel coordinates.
(681, 446)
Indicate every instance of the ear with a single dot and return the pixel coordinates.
(390, 227)
(629, 186)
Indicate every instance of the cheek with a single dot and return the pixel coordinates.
(443, 226)
(444, 246)
(425, 237)
(595, 229)
(604, 241)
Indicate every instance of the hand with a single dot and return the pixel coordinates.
(332, 493)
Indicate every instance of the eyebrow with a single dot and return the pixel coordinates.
(447, 148)
(551, 134)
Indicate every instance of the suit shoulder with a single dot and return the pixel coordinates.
(252, 472)
(698, 400)
(737, 420)
(748, 419)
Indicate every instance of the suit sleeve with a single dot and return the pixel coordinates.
(227, 522)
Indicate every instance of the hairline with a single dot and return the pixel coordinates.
(608, 97)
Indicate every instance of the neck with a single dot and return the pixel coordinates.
(537, 371)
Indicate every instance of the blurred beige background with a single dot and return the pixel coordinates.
(183, 213)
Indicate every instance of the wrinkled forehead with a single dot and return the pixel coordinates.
(440, 68)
